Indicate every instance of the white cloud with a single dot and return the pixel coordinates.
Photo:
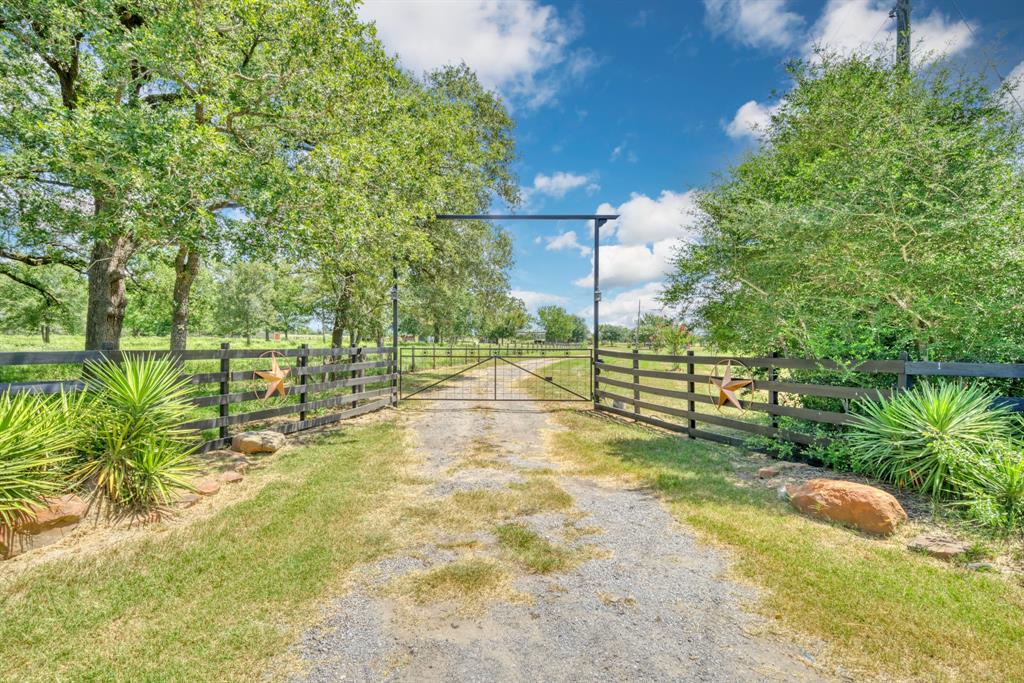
(757, 23)
(521, 49)
(751, 120)
(644, 220)
(621, 308)
(849, 25)
(621, 149)
(567, 240)
(1015, 79)
(535, 300)
(560, 183)
(627, 265)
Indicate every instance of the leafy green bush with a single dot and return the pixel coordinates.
(994, 491)
(929, 438)
(36, 438)
(136, 455)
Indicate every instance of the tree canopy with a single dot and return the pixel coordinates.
(182, 132)
(880, 214)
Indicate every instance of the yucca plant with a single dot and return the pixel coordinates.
(36, 438)
(929, 437)
(138, 455)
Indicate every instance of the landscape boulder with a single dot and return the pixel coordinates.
(942, 547)
(230, 477)
(188, 500)
(206, 487)
(767, 472)
(64, 511)
(864, 507)
(258, 442)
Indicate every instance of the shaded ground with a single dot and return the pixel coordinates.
(640, 600)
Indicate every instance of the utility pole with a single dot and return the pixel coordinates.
(902, 15)
(636, 330)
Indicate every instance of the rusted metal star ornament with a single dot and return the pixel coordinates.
(274, 378)
(727, 387)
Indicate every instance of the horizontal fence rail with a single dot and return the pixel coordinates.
(324, 385)
(675, 392)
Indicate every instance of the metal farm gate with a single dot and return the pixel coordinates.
(493, 373)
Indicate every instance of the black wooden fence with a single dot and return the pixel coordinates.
(324, 385)
(638, 384)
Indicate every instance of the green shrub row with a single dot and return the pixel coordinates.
(118, 443)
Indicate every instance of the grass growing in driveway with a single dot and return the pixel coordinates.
(532, 550)
(881, 609)
(216, 599)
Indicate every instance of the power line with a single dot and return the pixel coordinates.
(1002, 80)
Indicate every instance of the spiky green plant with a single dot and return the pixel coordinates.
(929, 437)
(138, 455)
(36, 438)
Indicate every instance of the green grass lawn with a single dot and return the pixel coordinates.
(217, 599)
(880, 609)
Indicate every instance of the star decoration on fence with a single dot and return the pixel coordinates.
(727, 387)
(274, 378)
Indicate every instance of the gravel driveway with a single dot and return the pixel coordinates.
(649, 604)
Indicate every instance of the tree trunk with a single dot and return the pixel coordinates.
(45, 332)
(337, 334)
(108, 264)
(266, 334)
(186, 267)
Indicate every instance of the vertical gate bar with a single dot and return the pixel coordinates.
(225, 387)
(773, 396)
(303, 363)
(495, 361)
(636, 381)
(395, 366)
(691, 404)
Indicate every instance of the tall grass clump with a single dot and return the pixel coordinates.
(37, 435)
(135, 455)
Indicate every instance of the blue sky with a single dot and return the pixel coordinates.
(627, 107)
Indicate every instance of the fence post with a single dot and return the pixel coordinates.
(303, 363)
(773, 396)
(356, 358)
(225, 387)
(636, 381)
(691, 404)
(903, 379)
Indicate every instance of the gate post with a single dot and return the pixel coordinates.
(691, 404)
(598, 222)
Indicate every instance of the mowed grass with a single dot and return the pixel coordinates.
(217, 599)
(880, 609)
